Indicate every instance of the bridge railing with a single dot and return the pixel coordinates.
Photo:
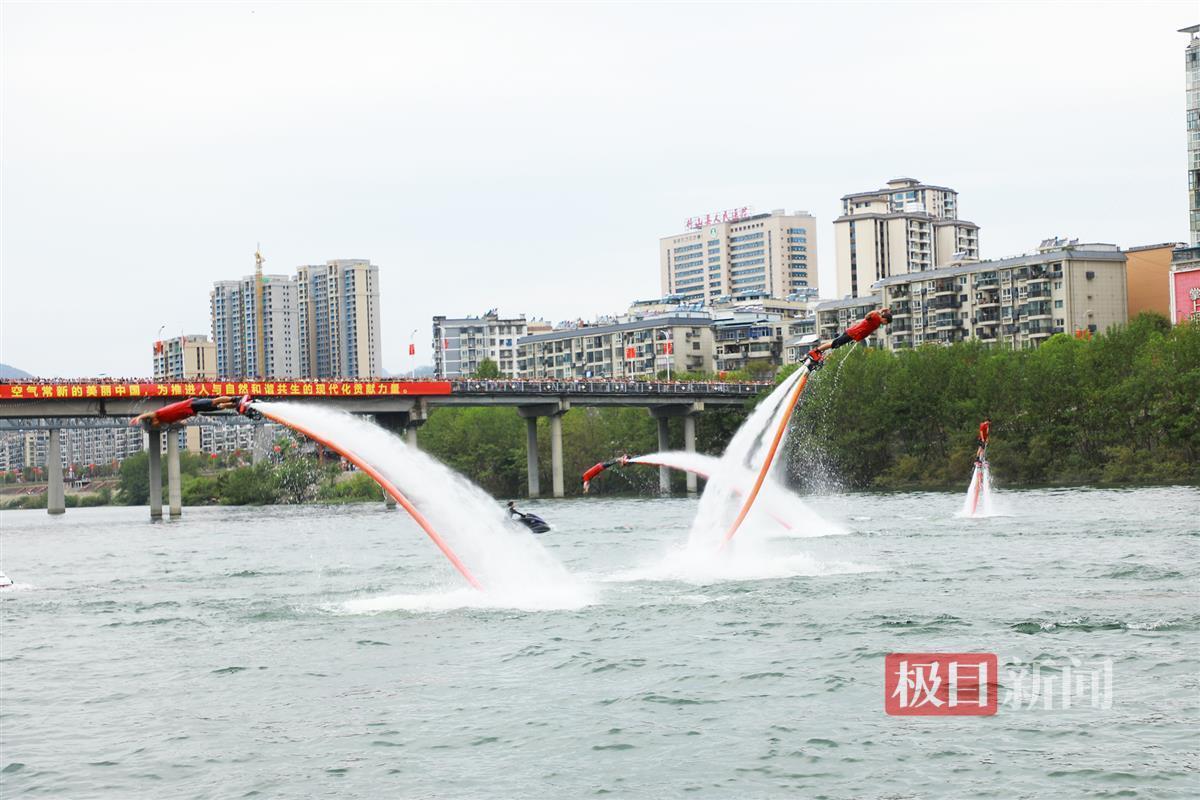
(477, 386)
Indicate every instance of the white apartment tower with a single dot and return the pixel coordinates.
(338, 320)
(235, 328)
(460, 344)
(736, 254)
(187, 358)
(908, 226)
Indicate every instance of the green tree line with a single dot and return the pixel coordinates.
(1119, 408)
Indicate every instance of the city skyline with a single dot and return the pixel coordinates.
(135, 190)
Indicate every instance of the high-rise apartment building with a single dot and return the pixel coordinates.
(1065, 287)
(460, 345)
(738, 254)
(185, 358)
(907, 226)
(338, 320)
(1187, 257)
(235, 328)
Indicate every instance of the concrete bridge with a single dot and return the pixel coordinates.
(399, 406)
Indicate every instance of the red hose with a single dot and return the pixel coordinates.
(390, 488)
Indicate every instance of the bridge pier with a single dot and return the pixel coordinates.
(689, 444)
(531, 457)
(56, 501)
(154, 449)
(174, 490)
(662, 414)
(554, 411)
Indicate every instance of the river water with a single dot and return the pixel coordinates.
(331, 651)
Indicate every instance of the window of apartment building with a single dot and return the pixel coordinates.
(1058, 303)
(1006, 294)
(1058, 284)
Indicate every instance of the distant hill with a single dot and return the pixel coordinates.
(9, 373)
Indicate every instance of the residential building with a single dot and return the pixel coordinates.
(1065, 287)
(337, 331)
(225, 438)
(1191, 61)
(636, 349)
(1148, 278)
(1187, 258)
(235, 321)
(834, 316)
(185, 358)
(83, 446)
(907, 226)
(739, 254)
(461, 344)
(748, 339)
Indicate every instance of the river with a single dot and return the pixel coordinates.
(331, 651)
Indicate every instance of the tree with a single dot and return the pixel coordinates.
(488, 370)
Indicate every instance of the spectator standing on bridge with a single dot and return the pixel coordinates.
(860, 330)
(177, 412)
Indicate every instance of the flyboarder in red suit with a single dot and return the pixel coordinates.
(981, 443)
(177, 412)
(860, 330)
(596, 469)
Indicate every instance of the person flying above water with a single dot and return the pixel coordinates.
(815, 358)
(981, 443)
(177, 412)
(596, 469)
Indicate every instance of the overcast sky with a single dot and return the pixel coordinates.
(529, 156)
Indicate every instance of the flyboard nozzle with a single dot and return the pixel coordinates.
(244, 404)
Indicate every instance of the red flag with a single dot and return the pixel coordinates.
(667, 348)
(412, 349)
(445, 344)
(630, 353)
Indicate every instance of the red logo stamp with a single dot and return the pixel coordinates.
(940, 684)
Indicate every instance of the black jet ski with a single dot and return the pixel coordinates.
(531, 521)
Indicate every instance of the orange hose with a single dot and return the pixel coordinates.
(390, 488)
(766, 467)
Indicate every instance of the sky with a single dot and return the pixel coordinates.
(529, 156)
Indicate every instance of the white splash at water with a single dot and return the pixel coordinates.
(778, 511)
(513, 567)
(755, 553)
(979, 500)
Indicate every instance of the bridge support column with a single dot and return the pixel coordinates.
(56, 501)
(661, 415)
(531, 457)
(556, 455)
(664, 443)
(174, 491)
(689, 444)
(154, 449)
(554, 411)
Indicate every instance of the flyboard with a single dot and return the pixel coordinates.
(785, 418)
(248, 405)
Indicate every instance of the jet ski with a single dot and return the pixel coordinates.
(532, 521)
(6, 583)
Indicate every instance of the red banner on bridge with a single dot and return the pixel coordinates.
(182, 389)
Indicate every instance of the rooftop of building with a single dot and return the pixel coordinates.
(1159, 246)
(897, 184)
(849, 302)
(1082, 252)
(665, 320)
